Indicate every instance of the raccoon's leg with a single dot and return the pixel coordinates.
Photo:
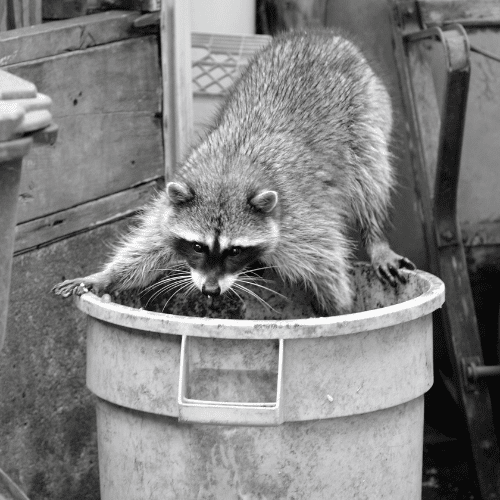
(138, 260)
(374, 183)
(127, 269)
(371, 206)
(318, 257)
(333, 291)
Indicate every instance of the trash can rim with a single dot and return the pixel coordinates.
(425, 303)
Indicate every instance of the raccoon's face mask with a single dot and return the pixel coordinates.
(215, 257)
(214, 269)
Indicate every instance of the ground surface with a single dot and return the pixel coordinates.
(445, 472)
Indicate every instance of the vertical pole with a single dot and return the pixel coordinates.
(175, 39)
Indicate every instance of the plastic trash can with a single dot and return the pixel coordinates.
(320, 408)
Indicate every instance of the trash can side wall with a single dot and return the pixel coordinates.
(324, 377)
(133, 368)
(369, 456)
(358, 373)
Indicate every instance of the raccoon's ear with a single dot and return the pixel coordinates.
(179, 193)
(265, 201)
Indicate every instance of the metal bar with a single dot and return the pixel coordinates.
(475, 372)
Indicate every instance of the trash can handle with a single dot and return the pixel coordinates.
(228, 413)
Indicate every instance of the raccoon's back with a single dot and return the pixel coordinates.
(314, 83)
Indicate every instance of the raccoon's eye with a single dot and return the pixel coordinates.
(198, 247)
(234, 251)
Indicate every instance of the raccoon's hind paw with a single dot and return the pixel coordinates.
(388, 267)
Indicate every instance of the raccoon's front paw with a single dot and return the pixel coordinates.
(96, 282)
(388, 267)
(76, 286)
(388, 264)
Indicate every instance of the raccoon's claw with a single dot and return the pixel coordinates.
(389, 271)
(405, 263)
(388, 264)
(76, 286)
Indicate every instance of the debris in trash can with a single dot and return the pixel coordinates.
(276, 301)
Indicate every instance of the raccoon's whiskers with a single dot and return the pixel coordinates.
(173, 267)
(249, 281)
(187, 285)
(167, 279)
(253, 294)
(237, 295)
(253, 270)
(254, 276)
(170, 286)
(173, 272)
(189, 290)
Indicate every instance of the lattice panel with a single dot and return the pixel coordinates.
(218, 59)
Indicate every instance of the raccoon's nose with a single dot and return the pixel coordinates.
(210, 290)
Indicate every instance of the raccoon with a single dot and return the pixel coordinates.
(298, 153)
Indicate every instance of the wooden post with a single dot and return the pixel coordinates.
(177, 90)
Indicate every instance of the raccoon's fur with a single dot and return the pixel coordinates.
(297, 154)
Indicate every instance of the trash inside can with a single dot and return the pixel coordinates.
(320, 408)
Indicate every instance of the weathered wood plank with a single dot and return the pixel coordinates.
(83, 217)
(106, 101)
(438, 12)
(44, 230)
(59, 37)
